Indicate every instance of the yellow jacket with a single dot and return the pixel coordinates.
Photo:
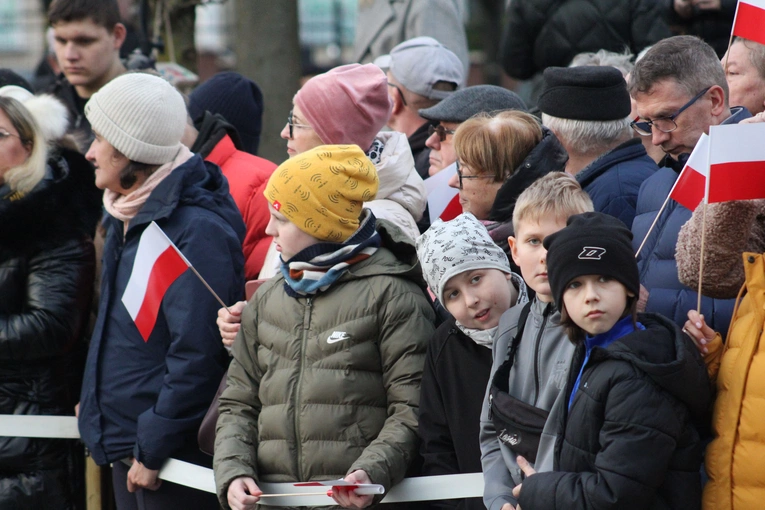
(735, 460)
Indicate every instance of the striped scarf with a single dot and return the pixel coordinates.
(317, 267)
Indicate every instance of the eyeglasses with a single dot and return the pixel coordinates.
(441, 130)
(460, 176)
(292, 125)
(664, 124)
(403, 99)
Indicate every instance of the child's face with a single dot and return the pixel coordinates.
(478, 298)
(595, 303)
(289, 239)
(529, 254)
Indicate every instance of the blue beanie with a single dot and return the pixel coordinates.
(238, 99)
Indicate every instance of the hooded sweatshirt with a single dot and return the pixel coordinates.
(629, 439)
(538, 377)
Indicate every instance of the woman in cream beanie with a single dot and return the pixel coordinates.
(145, 390)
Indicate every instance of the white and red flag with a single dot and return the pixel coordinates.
(749, 22)
(690, 186)
(158, 263)
(736, 162)
(443, 201)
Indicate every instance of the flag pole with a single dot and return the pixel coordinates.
(701, 256)
(650, 229)
(209, 288)
(730, 41)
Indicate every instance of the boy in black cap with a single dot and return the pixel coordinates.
(635, 388)
(588, 109)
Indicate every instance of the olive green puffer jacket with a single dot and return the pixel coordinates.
(324, 386)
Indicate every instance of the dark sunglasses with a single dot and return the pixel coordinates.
(441, 130)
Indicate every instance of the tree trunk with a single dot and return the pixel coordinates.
(268, 52)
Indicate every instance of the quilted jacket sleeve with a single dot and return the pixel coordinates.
(406, 324)
(237, 427)
(58, 290)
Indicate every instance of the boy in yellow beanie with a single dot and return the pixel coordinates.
(325, 378)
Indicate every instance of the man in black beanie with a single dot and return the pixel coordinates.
(588, 109)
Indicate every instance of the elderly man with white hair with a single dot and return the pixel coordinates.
(588, 109)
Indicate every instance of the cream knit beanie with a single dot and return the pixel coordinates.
(141, 115)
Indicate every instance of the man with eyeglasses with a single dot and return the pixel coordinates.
(447, 115)
(421, 72)
(680, 91)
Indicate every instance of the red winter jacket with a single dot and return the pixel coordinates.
(247, 178)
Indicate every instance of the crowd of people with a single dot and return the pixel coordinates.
(522, 338)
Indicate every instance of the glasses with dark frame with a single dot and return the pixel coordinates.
(441, 130)
(460, 176)
(403, 99)
(664, 124)
(293, 125)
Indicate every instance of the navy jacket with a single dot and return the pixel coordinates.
(614, 179)
(658, 269)
(147, 399)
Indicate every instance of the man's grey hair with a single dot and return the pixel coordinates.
(686, 59)
(621, 61)
(589, 136)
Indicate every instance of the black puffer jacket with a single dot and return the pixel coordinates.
(543, 33)
(47, 266)
(630, 440)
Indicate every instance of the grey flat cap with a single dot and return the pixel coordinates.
(463, 104)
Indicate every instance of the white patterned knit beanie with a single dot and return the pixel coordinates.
(449, 248)
(141, 115)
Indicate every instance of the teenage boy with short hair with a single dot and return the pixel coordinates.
(87, 38)
(537, 373)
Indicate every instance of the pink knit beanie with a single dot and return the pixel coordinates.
(346, 105)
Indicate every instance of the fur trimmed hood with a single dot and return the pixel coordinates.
(50, 113)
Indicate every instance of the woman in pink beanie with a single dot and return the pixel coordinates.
(350, 105)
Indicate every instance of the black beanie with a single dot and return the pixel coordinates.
(585, 93)
(238, 99)
(591, 243)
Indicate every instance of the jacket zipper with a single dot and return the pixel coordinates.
(536, 352)
(306, 327)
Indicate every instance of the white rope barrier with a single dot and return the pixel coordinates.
(426, 488)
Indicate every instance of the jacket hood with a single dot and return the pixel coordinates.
(548, 156)
(212, 128)
(673, 362)
(195, 183)
(66, 204)
(399, 180)
(398, 257)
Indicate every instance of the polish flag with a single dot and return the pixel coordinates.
(749, 22)
(158, 263)
(443, 201)
(690, 186)
(736, 162)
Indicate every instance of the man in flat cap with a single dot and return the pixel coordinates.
(588, 109)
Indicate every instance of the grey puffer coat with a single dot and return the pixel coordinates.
(323, 386)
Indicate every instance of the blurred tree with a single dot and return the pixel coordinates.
(267, 52)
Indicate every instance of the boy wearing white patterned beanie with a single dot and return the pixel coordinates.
(471, 276)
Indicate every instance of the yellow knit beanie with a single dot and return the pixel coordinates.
(323, 190)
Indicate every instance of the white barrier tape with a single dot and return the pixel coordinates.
(53, 427)
(426, 488)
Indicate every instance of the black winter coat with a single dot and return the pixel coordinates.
(453, 387)
(630, 440)
(47, 266)
(543, 33)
